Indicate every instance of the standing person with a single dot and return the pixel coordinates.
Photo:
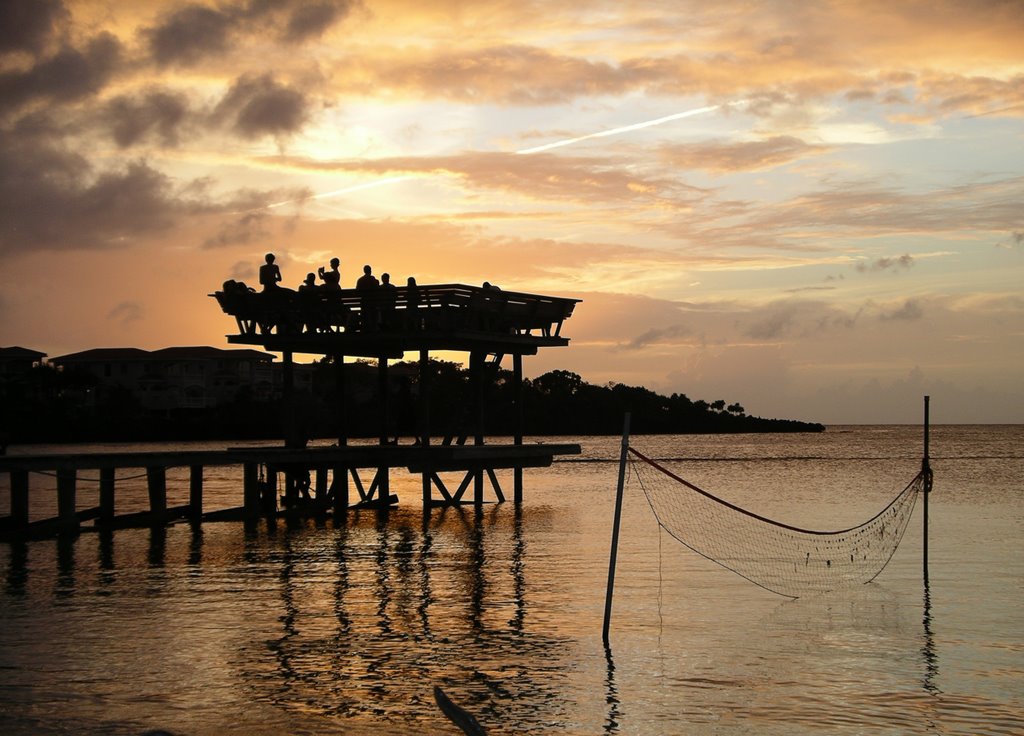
(412, 304)
(270, 274)
(368, 284)
(332, 278)
(388, 297)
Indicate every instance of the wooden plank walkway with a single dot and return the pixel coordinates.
(317, 480)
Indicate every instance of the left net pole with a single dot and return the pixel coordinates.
(615, 529)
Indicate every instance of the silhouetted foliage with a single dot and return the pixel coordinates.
(46, 405)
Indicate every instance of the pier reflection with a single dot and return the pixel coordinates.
(377, 611)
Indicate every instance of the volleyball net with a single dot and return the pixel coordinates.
(779, 557)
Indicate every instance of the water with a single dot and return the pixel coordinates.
(309, 628)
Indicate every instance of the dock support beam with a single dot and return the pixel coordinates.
(195, 492)
(156, 481)
(66, 514)
(423, 426)
(517, 381)
(251, 490)
(107, 503)
(19, 498)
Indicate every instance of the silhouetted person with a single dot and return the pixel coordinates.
(309, 284)
(388, 297)
(369, 285)
(488, 286)
(367, 280)
(332, 278)
(270, 274)
(412, 304)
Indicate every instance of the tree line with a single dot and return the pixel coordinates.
(46, 405)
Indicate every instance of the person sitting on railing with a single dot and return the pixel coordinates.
(368, 284)
(270, 273)
(332, 278)
(309, 284)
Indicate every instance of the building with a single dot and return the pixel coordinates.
(182, 377)
(16, 362)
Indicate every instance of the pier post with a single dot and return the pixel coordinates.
(517, 385)
(251, 490)
(340, 408)
(195, 492)
(156, 481)
(19, 498)
(384, 396)
(66, 513)
(424, 419)
(107, 504)
(339, 489)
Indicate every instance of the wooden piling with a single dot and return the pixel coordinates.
(107, 503)
(251, 500)
(195, 492)
(156, 483)
(66, 488)
(19, 498)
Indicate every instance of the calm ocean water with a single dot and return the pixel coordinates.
(316, 628)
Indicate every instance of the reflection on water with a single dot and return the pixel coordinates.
(307, 626)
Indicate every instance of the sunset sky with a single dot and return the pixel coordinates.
(813, 209)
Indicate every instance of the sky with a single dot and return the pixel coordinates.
(813, 209)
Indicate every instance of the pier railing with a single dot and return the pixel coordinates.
(435, 307)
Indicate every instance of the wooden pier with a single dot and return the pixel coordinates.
(335, 481)
(382, 324)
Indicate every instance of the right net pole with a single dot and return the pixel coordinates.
(927, 470)
(615, 530)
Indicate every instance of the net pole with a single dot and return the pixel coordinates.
(615, 530)
(927, 470)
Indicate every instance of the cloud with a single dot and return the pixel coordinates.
(656, 335)
(194, 33)
(886, 264)
(69, 75)
(27, 25)
(249, 227)
(1015, 241)
(189, 35)
(125, 313)
(910, 311)
(312, 20)
(157, 112)
(720, 157)
(258, 105)
(51, 198)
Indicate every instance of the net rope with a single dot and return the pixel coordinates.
(781, 558)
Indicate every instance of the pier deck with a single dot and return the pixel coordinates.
(335, 469)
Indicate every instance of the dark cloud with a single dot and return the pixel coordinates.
(197, 32)
(258, 105)
(886, 264)
(775, 323)
(189, 35)
(911, 310)
(133, 118)
(126, 313)
(248, 227)
(51, 198)
(655, 335)
(311, 20)
(27, 25)
(69, 75)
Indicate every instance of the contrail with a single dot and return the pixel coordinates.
(345, 190)
(623, 129)
(524, 151)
